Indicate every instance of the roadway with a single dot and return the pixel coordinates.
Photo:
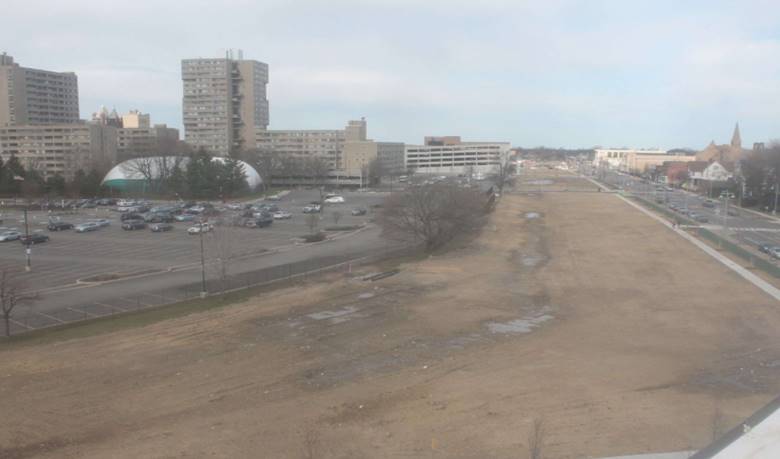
(722, 215)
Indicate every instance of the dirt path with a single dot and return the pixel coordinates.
(570, 306)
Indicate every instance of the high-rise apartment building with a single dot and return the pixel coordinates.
(34, 97)
(224, 103)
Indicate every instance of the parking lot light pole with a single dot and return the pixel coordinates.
(27, 249)
(202, 262)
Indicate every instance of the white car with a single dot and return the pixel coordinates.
(10, 236)
(335, 200)
(85, 227)
(282, 215)
(235, 206)
(200, 228)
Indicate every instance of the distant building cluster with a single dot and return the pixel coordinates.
(225, 112)
(714, 165)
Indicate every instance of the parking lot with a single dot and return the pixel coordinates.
(70, 257)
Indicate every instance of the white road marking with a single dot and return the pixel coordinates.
(79, 311)
(49, 317)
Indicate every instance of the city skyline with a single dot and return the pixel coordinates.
(562, 74)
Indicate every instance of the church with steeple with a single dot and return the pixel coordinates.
(727, 154)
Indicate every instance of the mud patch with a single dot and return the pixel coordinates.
(752, 372)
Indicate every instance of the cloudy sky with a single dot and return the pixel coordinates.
(566, 73)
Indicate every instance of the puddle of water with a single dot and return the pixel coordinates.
(530, 261)
(532, 215)
(332, 314)
(539, 182)
(518, 325)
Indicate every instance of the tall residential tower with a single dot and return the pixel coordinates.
(34, 97)
(224, 103)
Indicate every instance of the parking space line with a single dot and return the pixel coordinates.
(49, 317)
(79, 311)
(20, 324)
(116, 308)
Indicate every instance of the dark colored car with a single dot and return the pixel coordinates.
(358, 212)
(131, 225)
(60, 226)
(265, 219)
(106, 202)
(159, 217)
(161, 227)
(765, 248)
(34, 238)
(131, 216)
(708, 204)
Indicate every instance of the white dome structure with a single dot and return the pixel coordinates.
(132, 173)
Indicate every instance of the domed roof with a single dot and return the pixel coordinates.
(136, 169)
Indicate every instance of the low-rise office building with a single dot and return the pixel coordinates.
(60, 148)
(455, 157)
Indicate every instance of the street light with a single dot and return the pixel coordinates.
(202, 262)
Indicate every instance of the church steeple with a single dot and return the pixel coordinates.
(736, 139)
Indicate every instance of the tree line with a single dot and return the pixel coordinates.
(17, 180)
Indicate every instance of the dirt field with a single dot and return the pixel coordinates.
(573, 307)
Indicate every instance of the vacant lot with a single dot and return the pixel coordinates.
(573, 307)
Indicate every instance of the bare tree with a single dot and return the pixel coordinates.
(312, 221)
(503, 173)
(432, 214)
(154, 170)
(11, 296)
(268, 164)
(536, 438)
(336, 216)
(221, 248)
(318, 170)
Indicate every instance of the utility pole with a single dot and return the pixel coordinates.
(202, 262)
(777, 189)
(27, 249)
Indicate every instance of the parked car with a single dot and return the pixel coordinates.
(158, 218)
(311, 209)
(359, 211)
(131, 225)
(765, 248)
(282, 215)
(774, 252)
(131, 216)
(59, 226)
(200, 228)
(708, 203)
(335, 200)
(102, 222)
(161, 227)
(273, 197)
(86, 227)
(184, 218)
(34, 238)
(264, 220)
(6, 236)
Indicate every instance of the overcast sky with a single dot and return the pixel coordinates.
(547, 72)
